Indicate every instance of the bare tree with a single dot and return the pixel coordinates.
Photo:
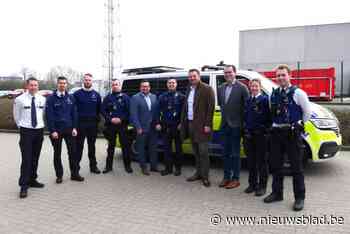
(26, 72)
(68, 72)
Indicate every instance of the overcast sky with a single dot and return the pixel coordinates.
(40, 34)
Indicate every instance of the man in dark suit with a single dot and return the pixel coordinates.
(232, 96)
(144, 116)
(197, 123)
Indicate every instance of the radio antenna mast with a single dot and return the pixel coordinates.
(113, 55)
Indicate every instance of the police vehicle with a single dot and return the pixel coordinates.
(322, 138)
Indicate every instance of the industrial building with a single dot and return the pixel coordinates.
(301, 47)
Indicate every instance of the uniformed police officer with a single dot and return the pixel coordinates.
(171, 103)
(290, 107)
(28, 112)
(88, 103)
(61, 114)
(115, 110)
(257, 121)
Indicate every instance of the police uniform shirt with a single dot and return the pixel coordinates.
(171, 103)
(302, 100)
(22, 110)
(256, 96)
(60, 94)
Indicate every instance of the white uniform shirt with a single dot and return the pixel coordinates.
(190, 102)
(22, 110)
(302, 100)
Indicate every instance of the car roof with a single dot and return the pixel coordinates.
(267, 84)
(246, 73)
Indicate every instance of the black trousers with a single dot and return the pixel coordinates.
(255, 147)
(90, 133)
(30, 143)
(65, 135)
(172, 134)
(110, 132)
(286, 141)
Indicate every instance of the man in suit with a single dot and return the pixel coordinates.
(197, 123)
(144, 116)
(232, 96)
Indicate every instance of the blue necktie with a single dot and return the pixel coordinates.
(33, 113)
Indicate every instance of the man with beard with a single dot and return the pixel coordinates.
(88, 103)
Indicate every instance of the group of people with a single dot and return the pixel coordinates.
(175, 116)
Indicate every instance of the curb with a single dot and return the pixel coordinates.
(99, 135)
(345, 148)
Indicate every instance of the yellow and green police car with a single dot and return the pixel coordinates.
(322, 138)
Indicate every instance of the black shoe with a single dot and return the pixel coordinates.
(273, 197)
(260, 192)
(193, 178)
(206, 182)
(95, 170)
(77, 178)
(23, 193)
(298, 205)
(165, 172)
(128, 169)
(106, 170)
(145, 171)
(154, 170)
(59, 180)
(250, 189)
(177, 172)
(36, 184)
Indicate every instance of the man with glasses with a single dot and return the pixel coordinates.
(232, 96)
(144, 115)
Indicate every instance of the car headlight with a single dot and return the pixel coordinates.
(325, 123)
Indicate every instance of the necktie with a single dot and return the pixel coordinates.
(33, 113)
(148, 100)
(283, 92)
(227, 93)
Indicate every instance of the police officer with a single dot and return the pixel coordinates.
(88, 103)
(171, 103)
(28, 111)
(290, 107)
(256, 123)
(115, 110)
(61, 114)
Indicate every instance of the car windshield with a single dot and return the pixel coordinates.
(266, 83)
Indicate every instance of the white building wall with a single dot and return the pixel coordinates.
(317, 46)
